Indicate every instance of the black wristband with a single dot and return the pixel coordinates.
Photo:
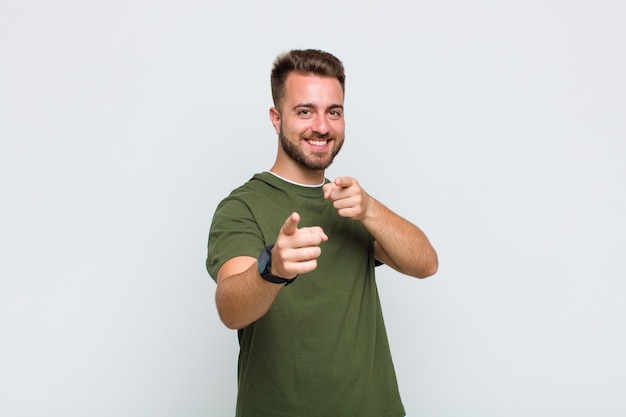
(264, 265)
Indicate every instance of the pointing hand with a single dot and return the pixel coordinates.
(296, 250)
(348, 197)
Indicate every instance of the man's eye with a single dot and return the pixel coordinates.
(335, 114)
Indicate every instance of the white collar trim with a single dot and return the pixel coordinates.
(296, 183)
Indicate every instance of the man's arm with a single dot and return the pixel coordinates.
(242, 296)
(398, 242)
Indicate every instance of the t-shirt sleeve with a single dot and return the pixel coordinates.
(234, 232)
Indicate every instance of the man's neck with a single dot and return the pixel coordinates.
(298, 174)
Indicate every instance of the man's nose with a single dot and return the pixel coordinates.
(320, 125)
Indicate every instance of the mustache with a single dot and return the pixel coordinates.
(325, 136)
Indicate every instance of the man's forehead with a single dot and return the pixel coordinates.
(303, 84)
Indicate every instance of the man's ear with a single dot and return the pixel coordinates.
(275, 119)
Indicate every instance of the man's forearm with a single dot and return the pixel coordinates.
(244, 298)
(400, 243)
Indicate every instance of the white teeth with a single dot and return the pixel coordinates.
(318, 142)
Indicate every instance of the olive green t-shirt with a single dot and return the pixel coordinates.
(321, 350)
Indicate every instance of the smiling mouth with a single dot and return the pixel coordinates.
(317, 142)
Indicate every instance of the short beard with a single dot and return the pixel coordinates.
(314, 162)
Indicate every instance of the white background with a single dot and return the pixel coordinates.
(497, 127)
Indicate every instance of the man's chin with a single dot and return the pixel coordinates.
(319, 166)
(310, 160)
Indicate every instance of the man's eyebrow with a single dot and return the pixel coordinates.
(313, 106)
(299, 105)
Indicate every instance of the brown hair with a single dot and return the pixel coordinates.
(306, 61)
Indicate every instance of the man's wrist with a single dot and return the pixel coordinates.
(264, 267)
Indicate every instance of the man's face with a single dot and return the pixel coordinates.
(310, 122)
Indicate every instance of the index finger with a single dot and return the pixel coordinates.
(344, 182)
(291, 224)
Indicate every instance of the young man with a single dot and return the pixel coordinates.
(315, 345)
